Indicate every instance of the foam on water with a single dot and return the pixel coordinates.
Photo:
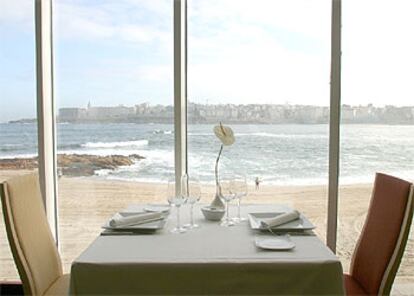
(283, 136)
(99, 152)
(267, 135)
(164, 132)
(11, 156)
(138, 143)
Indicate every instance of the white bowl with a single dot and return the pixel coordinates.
(213, 213)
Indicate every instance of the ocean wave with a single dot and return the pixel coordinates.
(8, 149)
(201, 134)
(266, 180)
(100, 151)
(369, 177)
(69, 146)
(163, 158)
(136, 179)
(13, 147)
(11, 156)
(283, 136)
(138, 143)
(267, 135)
(162, 132)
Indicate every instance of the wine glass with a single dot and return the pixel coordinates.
(227, 194)
(193, 196)
(176, 198)
(240, 189)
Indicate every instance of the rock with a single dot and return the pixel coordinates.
(18, 163)
(75, 164)
(136, 156)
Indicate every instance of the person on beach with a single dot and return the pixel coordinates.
(257, 182)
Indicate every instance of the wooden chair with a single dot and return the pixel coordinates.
(31, 241)
(381, 244)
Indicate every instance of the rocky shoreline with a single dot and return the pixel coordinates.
(74, 165)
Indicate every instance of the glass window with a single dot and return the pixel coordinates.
(377, 114)
(262, 69)
(114, 94)
(18, 123)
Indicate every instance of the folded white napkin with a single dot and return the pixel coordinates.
(280, 219)
(135, 219)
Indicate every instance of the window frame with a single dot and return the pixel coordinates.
(46, 111)
(47, 121)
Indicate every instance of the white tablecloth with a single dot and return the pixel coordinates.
(209, 260)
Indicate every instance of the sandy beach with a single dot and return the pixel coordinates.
(86, 203)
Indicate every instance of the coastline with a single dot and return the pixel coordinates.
(86, 203)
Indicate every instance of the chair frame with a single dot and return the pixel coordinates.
(392, 268)
(18, 254)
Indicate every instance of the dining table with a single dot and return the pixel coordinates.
(209, 260)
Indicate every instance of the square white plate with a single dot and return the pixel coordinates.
(277, 243)
(300, 224)
(149, 226)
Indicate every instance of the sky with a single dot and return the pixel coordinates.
(273, 52)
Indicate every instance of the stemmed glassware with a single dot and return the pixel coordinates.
(240, 189)
(193, 196)
(177, 198)
(227, 194)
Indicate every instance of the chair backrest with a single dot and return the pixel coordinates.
(31, 241)
(381, 244)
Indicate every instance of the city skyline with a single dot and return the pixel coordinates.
(233, 113)
(348, 112)
(275, 52)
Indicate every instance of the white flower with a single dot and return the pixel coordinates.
(225, 134)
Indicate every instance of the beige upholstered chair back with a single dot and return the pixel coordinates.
(33, 247)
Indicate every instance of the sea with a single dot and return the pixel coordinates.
(283, 154)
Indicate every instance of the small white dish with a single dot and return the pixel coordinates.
(213, 213)
(157, 208)
(278, 243)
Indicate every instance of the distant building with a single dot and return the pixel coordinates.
(72, 114)
(347, 113)
(232, 113)
(109, 112)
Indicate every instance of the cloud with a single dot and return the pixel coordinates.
(246, 56)
(111, 21)
(242, 51)
(377, 52)
(18, 13)
(288, 15)
(134, 21)
(276, 51)
(129, 71)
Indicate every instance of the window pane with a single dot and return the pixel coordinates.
(114, 91)
(262, 69)
(18, 124)
(377, 114)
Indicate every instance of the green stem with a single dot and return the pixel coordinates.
(218, 187)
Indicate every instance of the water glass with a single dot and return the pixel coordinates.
(193, 195)
(227, 194)
(240, 189)
(176, 198)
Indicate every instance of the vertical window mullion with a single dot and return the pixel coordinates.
(334, 125)
(180, 89)
(45, 111)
